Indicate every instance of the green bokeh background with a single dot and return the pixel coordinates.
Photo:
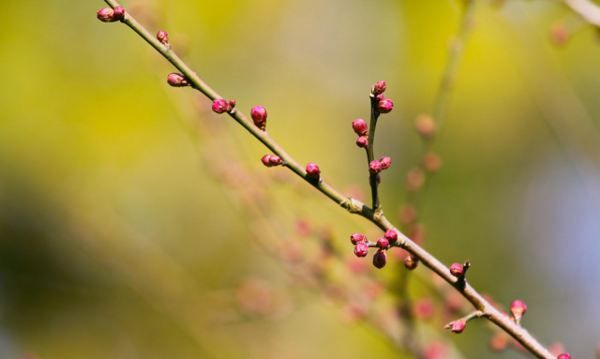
(117, 241)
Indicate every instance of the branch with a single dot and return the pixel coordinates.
(350, 204)
(589, 11)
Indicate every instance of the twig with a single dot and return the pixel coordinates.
(350, 204)
(589, 11)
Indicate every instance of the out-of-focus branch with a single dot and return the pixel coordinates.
(352, 205)
(589, 11)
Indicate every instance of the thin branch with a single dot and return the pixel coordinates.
(352, 205)
(589, 11)
(373, 177)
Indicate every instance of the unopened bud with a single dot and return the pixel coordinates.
(518, 308)
(271, 160)
(426, 126)
(391, 235)
(383, 243)
(106, 14)
(220, 105)
(163, 37)
(259, 116)
(457, 326)
(361, 249)
(564, 356)
(386, 162)
(362, 141)
(356, 238)
(380, 259)
(457, 269)
(177, 80)
(385, 105)
(379, 87)
(375, 166)
(313, 171)
(432, 162)
(360, 127)
(411, 262)
(119, 13)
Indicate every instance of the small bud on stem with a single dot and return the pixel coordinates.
(259, 117)
(220, 105)
(380, 259)
(177, 80)
(313, 172)
(163, 37)
(518, 308)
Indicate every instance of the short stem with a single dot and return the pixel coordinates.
(373, 177)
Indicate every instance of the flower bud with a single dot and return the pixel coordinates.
(375, 166)
(415, 179)
(432, 162)
(220, 105)
(313, 171)
(518, 308)
(386, 162)
(259, 116)
(385, 105)
(163, 37)
(457, 326)
(106, 14)
(177, 80)
(271, 160)
(380, 259)
(360, 126)
(391, 235)
(457, 269)
(362, 141)
(425, 126)
(564, 356)
(411, 262)
(361, 249)
(379, 87)
(383, 243)
(357, 238)
(118, 13)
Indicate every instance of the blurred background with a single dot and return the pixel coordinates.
(134, 223)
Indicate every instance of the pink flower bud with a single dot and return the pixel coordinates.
(177, 80)
(426, 126)
(362, 141)
(259, 116)
(106, 14)
(119, 13)
(518, 308)
(386, 162)
(163, 37)
(313, 171)
(360, 126)
(391, 235)
(457, 269)
(220, 105)
(457, 326)
(380, 259)
(383, 243)
(385, 105)
(564, 356)
(411, 262)
(379, 87)
(432, 162)
(356, 238)
(361, 249)
(271, 160)
(375, 166)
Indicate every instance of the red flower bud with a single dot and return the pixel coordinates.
(177, 80)
(457, 326)
(457, 269)
(361, 249)
(383, 243)
(259, 116)
(271, 160)
(163, 37)
(118, 13)
(379, 87)
(391, 235)
(375, 166)
(518, 308)
(313, 171)
(362, 141)
(106, 14)
(356, 238)
(220, 105)
(386, 162)
(360, 126)
(385, 105)
(380, 259)
(564, 356)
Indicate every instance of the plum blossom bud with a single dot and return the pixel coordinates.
(425, 126)
(271, 160)
(375, 166)
(106, 14)
(457, 269)
(259, 116)
(362, 141)
(177, 80)
(432, 162)
(391, 235)
(360, 126)
(357, 238)
(457, 326)
(313, 171)
(220, 105)
(383, 243)
(564, 356)
(361, 249)
(385, 105)
(415, 179)
(163, 37)
(380, 259)
(118, 13)
(386, 162)
(411, 262)
(518, 308)
(379, 87)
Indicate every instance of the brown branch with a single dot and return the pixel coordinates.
(350, 204)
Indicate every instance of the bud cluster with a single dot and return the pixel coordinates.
(108, 14)
(221, 105)
(382, 104)
(361, 246)
(361, 129)
(379, 165)
(271, 160)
